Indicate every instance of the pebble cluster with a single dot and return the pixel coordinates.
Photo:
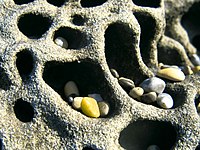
(92, 106)
(150, 91)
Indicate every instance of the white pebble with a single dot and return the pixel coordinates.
(195, 60)
(153, 147)
(164, 100)
(71, 89)
(97, 97)
(76, 104)
(60, 41)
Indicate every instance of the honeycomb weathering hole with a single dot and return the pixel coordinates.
(33, 25)
(24, 63)
(75, 38)
(78, 20)
(23, 110)
(5, 82)
(58, 3)
(147, 3)
(196, 41)
(88, 77)
(120, 51)
(20, 2)
(141, 134)
(92, 3)
(148, 30)
(88, 148)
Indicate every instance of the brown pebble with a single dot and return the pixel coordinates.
(126, 83)
(149, 97)
(136, 92)
(103, 108)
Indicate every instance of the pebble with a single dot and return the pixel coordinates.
(60, 41)
(126, 83)
(153, 147)
(114, 73)
(153, 84)
(136, 92)
(171, 74)
(196, 69)
(164, 100)
(71, 89)
(163, 66)
(97, 97)
(187, 70)
(195, 59)
(149, 97)
(198, 107)
(103, 108)
(90, 107)
(76, 104)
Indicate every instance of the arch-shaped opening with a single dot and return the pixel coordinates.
(24, 111)
(143, 133)
(34, 25)
(57, 3)
(120, 51)
(92, 3)
(147, 3)
(20, 2)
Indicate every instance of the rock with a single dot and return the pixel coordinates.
(195, 59)
(103, 108)
(153, 147)
(126, 83)
(136, 92)
(60, 41)
(114, 73)
(97, 97)
(71, 89)
(164, 100)
(171, 74)
(153, 84)
(149, 97)
(76, 104)
(90, 107)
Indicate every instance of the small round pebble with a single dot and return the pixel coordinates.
(198, 107)
(114, 73)
(153, 84)
(60, 41)
(171, 74)
(195, 59)
(97, 97)
(103, 108)
(126, 83)
(76, 104)
(153, 147)
(90, 107)
(71, 89)
(196, 69)
(149, 97)
(165, 100)
(136, 92)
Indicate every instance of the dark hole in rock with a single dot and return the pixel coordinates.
(5, 82)
(191, 23)
(196, 42)
(78, 20)
(169, 56)
(20, 2)
(92, 3)
(57, 3)
(148, 30)
(23, 110)
(88, 77)
(120, 51)
(1, 144)
(143, 133)
(198, 147)
(34, 25)
(88, 148)
(197, 101)
(24, 63)
(147, 3)
(75, 38)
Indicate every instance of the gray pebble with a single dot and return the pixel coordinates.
(126, 83)
(153, 84)
(97, 97)
(71, 89)
(103, 108)
(195, 59)
(165, 100)
(114, 73)
(149, 97)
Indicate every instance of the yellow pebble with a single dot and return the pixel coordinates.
(198, 107)
(171, 74)
(196, 69)
(90, 107)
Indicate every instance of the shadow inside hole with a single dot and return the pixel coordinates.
(57, 3)
(196, 42)
(75, 38)
(24, 63)
(1, 144)
(23, 110)
(33, 25)
(148, 30)
(5, 82)
(88, 77)
(78, 20)
(143, 133)
(92, 3)
(191, 23)
(20, 2)
(197, 101)
(120, 51)
(147, 3)
(198, 147)
(169, 56)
